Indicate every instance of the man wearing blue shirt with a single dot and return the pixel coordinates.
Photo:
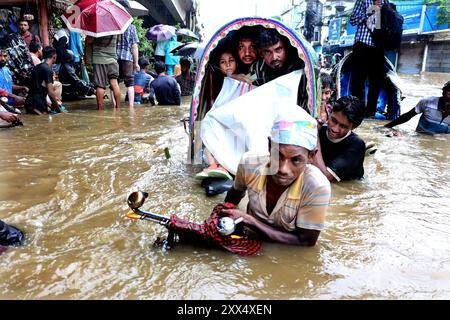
(6, 81)
(165, 89)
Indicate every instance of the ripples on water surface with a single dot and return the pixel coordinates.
(64, 179)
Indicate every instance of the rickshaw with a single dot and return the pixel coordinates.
(388, 104)
(300, 87)
(306, 93)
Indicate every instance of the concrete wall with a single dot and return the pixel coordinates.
(168, 12)
(410, 58)
(179, 9)
(438, 59)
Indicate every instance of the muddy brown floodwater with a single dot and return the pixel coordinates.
(64, 180)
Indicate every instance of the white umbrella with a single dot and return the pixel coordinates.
(200, 49)
(187, 33)
(134, 8)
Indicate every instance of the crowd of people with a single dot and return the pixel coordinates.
(36, 78)
(61, 68)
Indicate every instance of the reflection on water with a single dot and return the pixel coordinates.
(64, 179)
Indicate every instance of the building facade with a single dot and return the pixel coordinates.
(172, 12)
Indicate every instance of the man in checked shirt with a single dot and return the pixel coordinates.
(128, 59)
(368, 60)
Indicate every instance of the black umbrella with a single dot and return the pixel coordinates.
(193, 49)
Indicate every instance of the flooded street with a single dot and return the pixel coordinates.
(64, 180)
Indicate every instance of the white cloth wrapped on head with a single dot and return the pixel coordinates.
(295, 126)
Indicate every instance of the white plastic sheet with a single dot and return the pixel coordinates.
(243, 124)
(231, 89)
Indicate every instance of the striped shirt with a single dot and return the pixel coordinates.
(358, 18)
(303, 205)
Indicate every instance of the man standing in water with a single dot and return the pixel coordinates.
(106, 67)
(288, 198)
(164, 89)
(128, 54)
(368, 59)
(435, 116)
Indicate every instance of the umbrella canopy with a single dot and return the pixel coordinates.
(134, 8)
(193, 49)
(187, 33)
(97, 18)
(161, 32)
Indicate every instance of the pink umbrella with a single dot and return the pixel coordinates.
(161, 32)
(97, 18)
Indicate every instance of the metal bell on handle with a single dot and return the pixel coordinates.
(227, 225)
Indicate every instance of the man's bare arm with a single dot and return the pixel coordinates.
(135, 51)
(234, 196)
(402, 119)
(317, 161)
(56, 103)
(301, 237)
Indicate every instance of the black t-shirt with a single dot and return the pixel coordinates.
(345, 158)
(41, 76)
(166, 90)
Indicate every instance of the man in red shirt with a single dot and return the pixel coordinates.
(26, 35)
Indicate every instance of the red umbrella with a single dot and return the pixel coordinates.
(97, 18)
